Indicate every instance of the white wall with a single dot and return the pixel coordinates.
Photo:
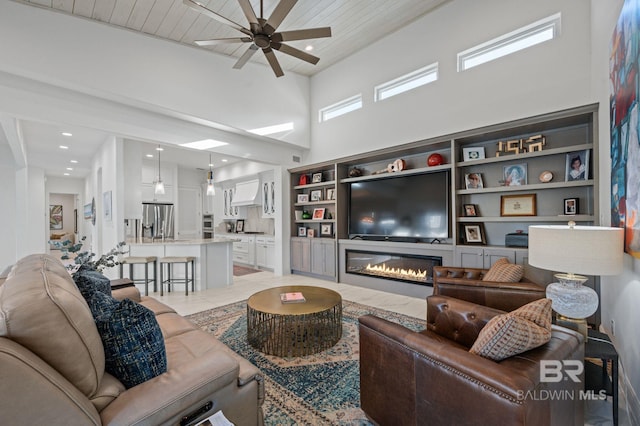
(547, 77)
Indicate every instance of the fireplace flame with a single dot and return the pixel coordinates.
(411, 274)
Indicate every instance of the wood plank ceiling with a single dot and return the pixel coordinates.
(354, 23)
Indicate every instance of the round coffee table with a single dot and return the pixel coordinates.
(294, 329)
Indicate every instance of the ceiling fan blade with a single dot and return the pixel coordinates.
(211, 14)
(301, 34)
(245, 56)
(295, 52)
(273, 61)
(277, 16)
(217, 41)
(250, 14)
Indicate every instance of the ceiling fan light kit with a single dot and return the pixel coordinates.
(262, 33)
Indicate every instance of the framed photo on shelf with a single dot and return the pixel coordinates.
(577, 166)
(470, 210)
(240, 225)
(331, 194)
(316, 177)
(311, 233)
(515, 174)
(318, 214)
(473, 233)
(571, 206)
(326, 230)
(316, 195)
(518, 205)
(303, 198)
(473, 181)
(302, 231)
(472, 153)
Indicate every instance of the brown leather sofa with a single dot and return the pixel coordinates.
(467, 284)
(52, 361)
(431, 378)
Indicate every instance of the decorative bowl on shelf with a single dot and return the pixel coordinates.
(546, 176)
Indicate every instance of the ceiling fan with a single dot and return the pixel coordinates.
(262, 33)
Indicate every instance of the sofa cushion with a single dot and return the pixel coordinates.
(133, 342)
(42, 309)
(504, 272)
(89, 280)
(515, 332)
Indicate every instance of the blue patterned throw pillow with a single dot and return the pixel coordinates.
(133, 344)
(89, 280)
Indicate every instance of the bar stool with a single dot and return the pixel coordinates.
(169, 261)
(141, 260)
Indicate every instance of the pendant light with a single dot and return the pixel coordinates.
(211, 190)
(159, 187)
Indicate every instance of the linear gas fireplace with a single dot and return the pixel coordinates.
(411, 268)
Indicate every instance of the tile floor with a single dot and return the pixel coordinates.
(597, 413)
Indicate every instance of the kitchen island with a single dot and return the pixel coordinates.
(214, 258)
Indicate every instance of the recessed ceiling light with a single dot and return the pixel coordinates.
(74, 161)
(69, 168)
(159, 149)
(204, 144)
(67, 134)
(64, 147)
(149, 155)
(67, 174)
(224, 160)
(308, 48)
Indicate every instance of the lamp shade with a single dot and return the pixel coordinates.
(589, 250)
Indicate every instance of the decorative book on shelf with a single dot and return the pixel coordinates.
(295, 297)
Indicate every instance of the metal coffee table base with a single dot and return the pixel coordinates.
(295, 331)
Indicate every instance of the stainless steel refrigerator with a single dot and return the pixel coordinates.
(157, 220)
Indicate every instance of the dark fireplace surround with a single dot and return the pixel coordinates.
(409, 268)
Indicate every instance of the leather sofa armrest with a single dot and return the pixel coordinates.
(166, 398)
(126, 293)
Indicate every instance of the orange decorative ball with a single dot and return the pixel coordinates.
(435, 160)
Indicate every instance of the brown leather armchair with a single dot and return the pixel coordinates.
(430, 377)
(467, 284)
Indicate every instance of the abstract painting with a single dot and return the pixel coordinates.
(55, 216)
(625, 126)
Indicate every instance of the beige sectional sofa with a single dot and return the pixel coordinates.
(52, 362)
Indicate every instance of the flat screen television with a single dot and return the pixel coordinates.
(411, 207)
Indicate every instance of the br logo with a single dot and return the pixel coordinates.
(554, 371)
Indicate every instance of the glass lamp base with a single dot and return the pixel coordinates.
(570, 298)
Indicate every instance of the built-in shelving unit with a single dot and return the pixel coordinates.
(565, 133)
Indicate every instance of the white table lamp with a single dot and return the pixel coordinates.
(590, 250)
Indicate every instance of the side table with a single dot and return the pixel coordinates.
(596, 379)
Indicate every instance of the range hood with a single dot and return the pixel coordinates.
(247, 193)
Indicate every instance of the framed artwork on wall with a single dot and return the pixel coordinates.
(55, 217)
(518, 205)
(106, 206)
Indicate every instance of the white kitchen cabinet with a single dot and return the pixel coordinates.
(244, 250)
(265, 252)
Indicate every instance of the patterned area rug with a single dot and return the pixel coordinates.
(320, 389)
